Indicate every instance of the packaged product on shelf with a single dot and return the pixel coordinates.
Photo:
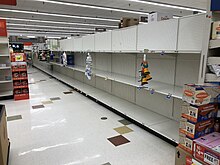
(216, 30)
(22, 66)
(196, 114)
(207, 149)
(16, 75)
(17, 91)
(215, 68)
(196, 130)
(24, 83)
(23, 74)
(17, 83)
(25, 91)
(200, 94)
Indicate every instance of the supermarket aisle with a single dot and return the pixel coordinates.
(59, 127)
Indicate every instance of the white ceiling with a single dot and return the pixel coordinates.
(41, 7)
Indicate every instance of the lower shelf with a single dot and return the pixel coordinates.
(165, 128)
(21, 97)
(6, 93)
(211, 77)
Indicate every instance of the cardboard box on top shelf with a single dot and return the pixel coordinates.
(200, 94)
(4, 142)
(157, 16)
(216, 30)
(126, 22)
(196, 130)
(196, 114)
(207, 149)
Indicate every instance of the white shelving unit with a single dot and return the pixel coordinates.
(117, 56)
(6, 88)
(211, 48)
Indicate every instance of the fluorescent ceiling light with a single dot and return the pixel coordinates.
(55, 27)
(56, 22)
(58, 15)
(47, 30)
(93, 7)
(168, 5)
(50, 37)
(25, 31)
(31, 37)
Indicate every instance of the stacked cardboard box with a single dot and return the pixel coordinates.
(198, 112)
(207, 149)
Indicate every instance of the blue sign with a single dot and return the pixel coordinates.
(215, 5)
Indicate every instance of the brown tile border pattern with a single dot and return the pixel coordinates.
(12, 118)
(125, 122)
(37, 106)
(69, 92)
(123, 130)
(47, 102)
(55, 98)
(118, 140)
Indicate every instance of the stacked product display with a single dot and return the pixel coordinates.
(20, 76)
(197, 124)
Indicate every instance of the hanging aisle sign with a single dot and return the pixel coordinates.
(3, 28)
(215, 5)
(8, 2)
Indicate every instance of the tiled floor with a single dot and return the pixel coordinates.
(69, 131)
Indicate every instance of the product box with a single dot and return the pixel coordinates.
(156, 16)
(126, 22)
(185, 143)
(206, 149)
(181, 155)
(192, 161)
(216, 30)
(196, 130)
(200, 94)
(196, 114)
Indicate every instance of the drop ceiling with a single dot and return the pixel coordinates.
(40, 19)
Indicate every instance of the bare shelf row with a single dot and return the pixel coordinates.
(159, 123)
(156, 86)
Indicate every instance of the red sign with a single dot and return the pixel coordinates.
(27, 43)
(3, 28)
(8, 2)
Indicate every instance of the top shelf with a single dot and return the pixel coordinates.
(155, 86)
(213, 44)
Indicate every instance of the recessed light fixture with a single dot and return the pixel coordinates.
(56, 22)
(55, 27)
(168, 5)
(93, 7)
(58, 15)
